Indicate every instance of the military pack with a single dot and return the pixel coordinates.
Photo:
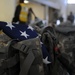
(66, 37)
(21, 58)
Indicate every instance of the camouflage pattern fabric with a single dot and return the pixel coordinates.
(3, 39)
(66, 37)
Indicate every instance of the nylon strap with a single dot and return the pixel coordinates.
(28, 60)
(27, 64)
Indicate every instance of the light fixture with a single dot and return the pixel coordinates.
(26, 1)
(71, 2)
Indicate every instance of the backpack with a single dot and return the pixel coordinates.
(66, 37)
(48, 37)
(61, 64)
(21, 58)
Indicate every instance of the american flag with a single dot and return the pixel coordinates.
(23, 32)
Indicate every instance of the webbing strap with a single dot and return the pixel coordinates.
(27, 64)
(28, 60)
(21, 47)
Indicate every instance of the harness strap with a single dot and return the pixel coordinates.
(27, 64)
(28, 60)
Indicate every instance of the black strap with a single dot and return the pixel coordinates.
(10, 62)
(1, 71)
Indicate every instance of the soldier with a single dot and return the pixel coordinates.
(71, 17)
(23, 14)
